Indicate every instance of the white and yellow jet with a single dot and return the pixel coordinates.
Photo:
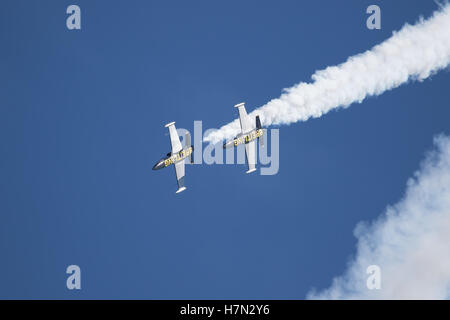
(178, 155)
(249, 133)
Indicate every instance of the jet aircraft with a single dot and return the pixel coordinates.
(250, 131)
(177, 156)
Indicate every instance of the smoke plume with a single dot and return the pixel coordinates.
(413, 53)
(410, 242)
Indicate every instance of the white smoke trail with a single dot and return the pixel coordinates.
(410, 242)
(413, 53)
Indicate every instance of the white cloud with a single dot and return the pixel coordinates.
(410, 241)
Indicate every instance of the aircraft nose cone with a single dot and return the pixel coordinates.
(158, 165)
(228, 144)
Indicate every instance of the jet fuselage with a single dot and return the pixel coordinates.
(245, 138)
(173, 158)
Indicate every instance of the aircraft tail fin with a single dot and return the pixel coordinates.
(187, 140)
(258, 126)
(187, 143)
(258, 123)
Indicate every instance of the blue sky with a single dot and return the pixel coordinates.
(82, 117)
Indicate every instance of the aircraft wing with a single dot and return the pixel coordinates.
(179, 171)
(250, 152)
(246, 124)
(174, 138)
(176, 147)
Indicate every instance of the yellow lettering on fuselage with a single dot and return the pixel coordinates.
(249, 137)
(178, 157)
